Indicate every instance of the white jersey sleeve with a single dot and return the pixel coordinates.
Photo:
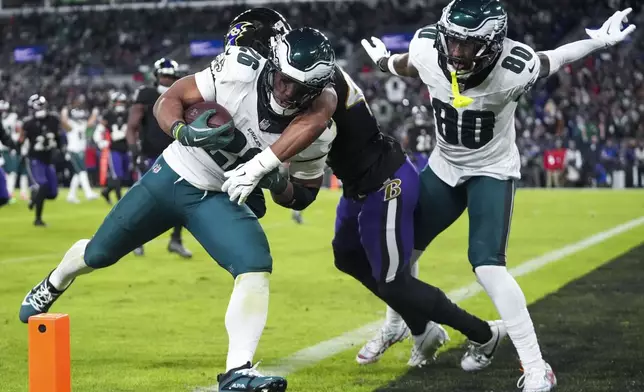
(524, 62)
(421, 51)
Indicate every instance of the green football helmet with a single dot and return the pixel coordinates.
(471, 34)
(301, 65)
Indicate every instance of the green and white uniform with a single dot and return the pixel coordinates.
(476, 161)
(184, 185)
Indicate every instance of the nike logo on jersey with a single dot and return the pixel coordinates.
(532, 69)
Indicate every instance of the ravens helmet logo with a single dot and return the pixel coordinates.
(236, 32)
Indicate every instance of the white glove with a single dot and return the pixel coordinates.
(376, 49)
(103, 144)
(68, 157)
(611, 31)
(244, 178)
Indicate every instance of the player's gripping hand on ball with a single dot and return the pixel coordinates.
(199, 134)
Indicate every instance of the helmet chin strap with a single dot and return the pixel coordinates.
(162, 89)
(277, 108)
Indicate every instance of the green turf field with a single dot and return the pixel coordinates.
(156, 323)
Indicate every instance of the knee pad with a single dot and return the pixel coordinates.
(98, 255)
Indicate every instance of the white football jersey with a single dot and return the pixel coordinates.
(76, 136)
(477, 140)
(10, 126)
(233, 81)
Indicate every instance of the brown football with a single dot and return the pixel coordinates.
(218, 119)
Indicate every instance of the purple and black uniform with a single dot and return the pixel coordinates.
(44, 137)
(119, 162)
(374, 227)
(380, 188)
(153, 139)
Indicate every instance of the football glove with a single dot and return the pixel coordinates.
(378, 52)
(611, 31)
(244, 178)
(274, 182)
(200, 134)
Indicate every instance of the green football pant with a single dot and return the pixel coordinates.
(489, 203)
(230, 233)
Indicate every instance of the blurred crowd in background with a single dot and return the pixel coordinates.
(581, 127)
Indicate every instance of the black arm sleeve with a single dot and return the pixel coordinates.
(303, 196)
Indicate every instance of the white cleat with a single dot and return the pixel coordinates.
(427, 344)
(385, 338)
(92, 196)
(73, 200)
(479, 356)
(538, 379)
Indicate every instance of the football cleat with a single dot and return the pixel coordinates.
(177, 247)
(479, 356)
(538, 379)
(387, 336)
(106, 196)
(40, 223)
(427, 344)
(138, 251)
(73, 200)
(297, 217)
(91, 196)
(39, 299)
(246, 378)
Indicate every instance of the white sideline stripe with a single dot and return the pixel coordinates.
(323, 350)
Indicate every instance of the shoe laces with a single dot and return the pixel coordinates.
(252, 371)
(475, 351)
(386, 333)
(41, 298)
(531, 376)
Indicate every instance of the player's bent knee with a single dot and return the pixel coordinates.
(98, 255)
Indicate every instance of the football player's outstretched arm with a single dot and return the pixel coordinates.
(397, 64)
(609, 34)
(307, 127)
(134, 119)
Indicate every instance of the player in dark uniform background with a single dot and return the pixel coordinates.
(42, 131)
(111, 133)
(145, 138)
(5, 195)
(374, 230)
(418, 137)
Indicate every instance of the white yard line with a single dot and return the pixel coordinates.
(323, 350)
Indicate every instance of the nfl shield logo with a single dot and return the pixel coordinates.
(264, 124)
(156, 168)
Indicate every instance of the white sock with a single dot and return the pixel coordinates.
(11, 183)
(72, 265)
(73, 185)
(510, 302)
(24, 185)
(84, 182)
(391, 316)
(246, 317)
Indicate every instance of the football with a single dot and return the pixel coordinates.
(220, 118)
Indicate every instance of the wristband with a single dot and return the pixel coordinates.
(176, 128)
